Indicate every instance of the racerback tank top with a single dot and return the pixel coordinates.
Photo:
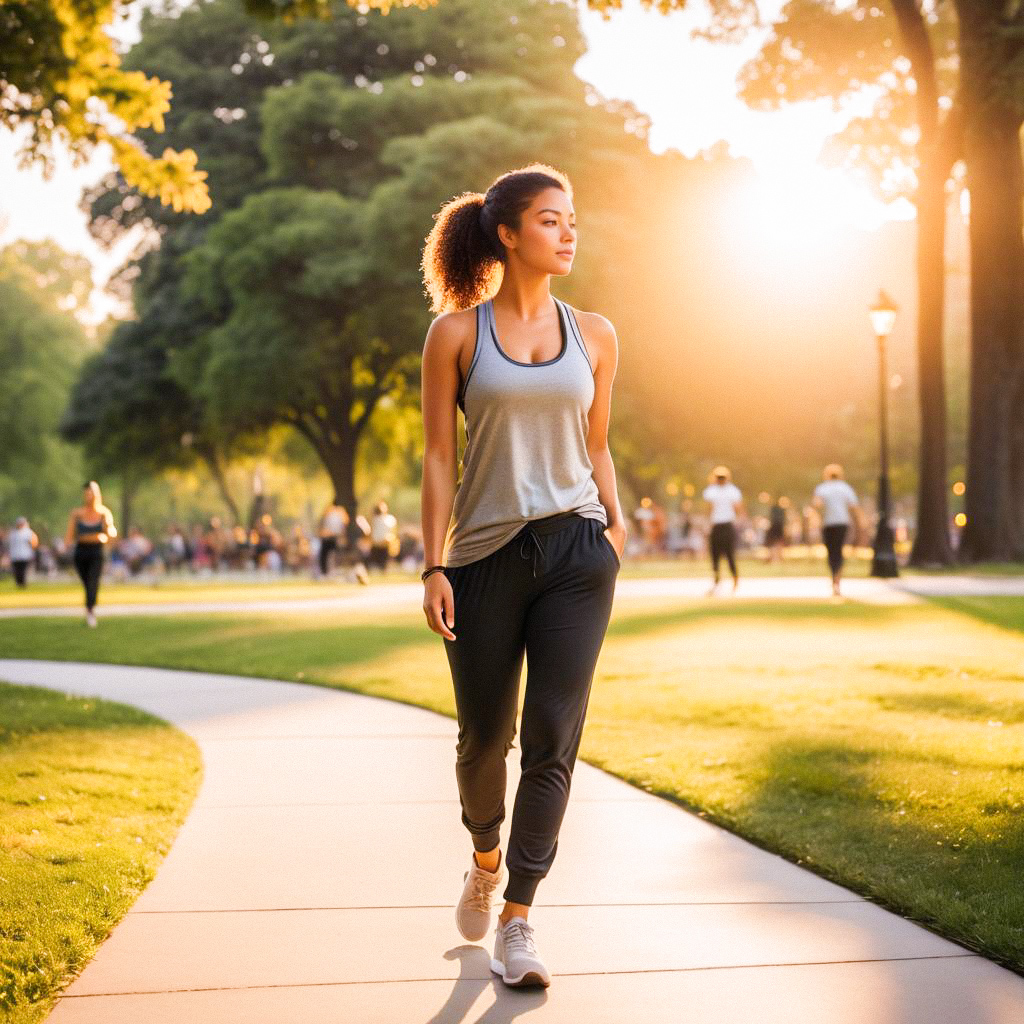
(526, 430)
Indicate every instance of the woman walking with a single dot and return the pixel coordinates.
(533, 532)
(725, 503)
(836, 499)
(90, 526)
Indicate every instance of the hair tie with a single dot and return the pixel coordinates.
(486, 217)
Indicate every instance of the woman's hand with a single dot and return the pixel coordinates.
(616, 534)
(439, 604)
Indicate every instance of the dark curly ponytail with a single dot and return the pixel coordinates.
(463, 256)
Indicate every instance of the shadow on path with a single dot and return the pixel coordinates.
(469, 986)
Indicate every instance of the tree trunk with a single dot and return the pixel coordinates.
(993, 530)
(931, 543)
(1017, 471)
(212, 459)
(340, 463)
(337, 451)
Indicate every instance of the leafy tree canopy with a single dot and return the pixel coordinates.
(62, 76)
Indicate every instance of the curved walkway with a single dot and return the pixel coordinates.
(315, 876)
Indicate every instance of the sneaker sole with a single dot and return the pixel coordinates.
(529, 978)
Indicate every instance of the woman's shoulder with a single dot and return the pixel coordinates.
(452, 328)
(598, 331)
(595, 323)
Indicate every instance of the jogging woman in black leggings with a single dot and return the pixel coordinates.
(523, 555)
(90, 526)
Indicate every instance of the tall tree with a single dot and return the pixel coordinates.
(329, 147)
(819, 48)
(992, 75)
(983, 104)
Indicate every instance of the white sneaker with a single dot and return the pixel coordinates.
(515, 955)
(90, 619)
(473, 912)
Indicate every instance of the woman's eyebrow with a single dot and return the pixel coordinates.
(557, 213)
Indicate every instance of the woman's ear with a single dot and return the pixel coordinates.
(506, 236)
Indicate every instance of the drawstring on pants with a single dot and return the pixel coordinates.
(538, 548)
(532, 531)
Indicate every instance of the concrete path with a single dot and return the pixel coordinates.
(315, 877)
(409, 596)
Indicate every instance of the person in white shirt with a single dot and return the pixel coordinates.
(382, 536)
(331, 529)
(837, 502)
(21, 546)
(725, 501)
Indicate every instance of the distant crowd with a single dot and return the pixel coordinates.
(351, 547)
(340, 545)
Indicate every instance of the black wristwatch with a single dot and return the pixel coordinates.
(433, 568)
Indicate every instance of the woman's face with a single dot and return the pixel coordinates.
(89, 497)
(546, 239)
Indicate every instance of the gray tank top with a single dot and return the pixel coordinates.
(526, 429)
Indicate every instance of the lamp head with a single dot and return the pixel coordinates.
(883, 315)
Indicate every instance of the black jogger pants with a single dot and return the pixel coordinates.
(834, 538)
(723, 544)
(88, 559)
(547, 593)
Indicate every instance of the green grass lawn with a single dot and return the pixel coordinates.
(179, 588)
(92, 794)
(880, 746)
(174, 589)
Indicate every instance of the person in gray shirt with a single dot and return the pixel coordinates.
(533, 532)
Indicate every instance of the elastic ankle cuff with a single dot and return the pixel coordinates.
(487, 841)
(521, 888)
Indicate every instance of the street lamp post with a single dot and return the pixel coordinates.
(883, 319)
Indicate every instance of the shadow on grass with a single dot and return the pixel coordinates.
(1005, 612)
(954, 705)
(822, 805)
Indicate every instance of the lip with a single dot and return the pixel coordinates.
(567, 252)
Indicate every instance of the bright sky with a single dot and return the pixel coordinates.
(686, 86)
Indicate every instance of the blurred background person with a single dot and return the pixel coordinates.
(137, 551)
(90, 527)
(775, 536)
(836, 500)
(298, 550)
(331, 534)
(725, 503)
(353, 552)
(267, 545)
(383, 538)
(22, 544)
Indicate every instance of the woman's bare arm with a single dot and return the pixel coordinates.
(440, 385)
(69, 533)
(600, 334)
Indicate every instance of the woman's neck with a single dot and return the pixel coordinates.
(525, 293)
